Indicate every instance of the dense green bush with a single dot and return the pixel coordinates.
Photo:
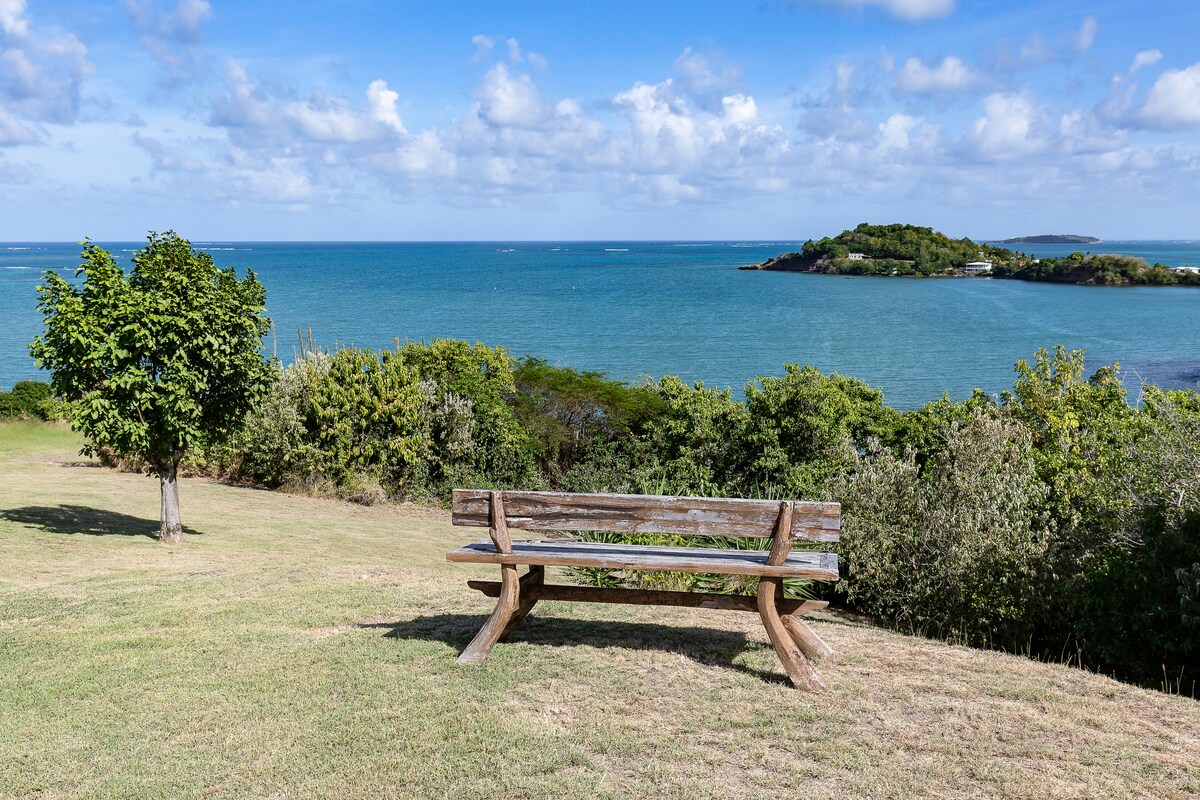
(31, 400)
(956, 548)
(406, 423)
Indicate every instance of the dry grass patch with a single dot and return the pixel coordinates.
(294, 646)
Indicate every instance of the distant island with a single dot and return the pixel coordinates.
(914, 251)
(1052, 238)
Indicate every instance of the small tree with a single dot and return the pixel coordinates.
(155, 361)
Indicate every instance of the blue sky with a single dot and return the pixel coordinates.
(650, 120)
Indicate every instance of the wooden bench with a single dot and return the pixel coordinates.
(783, 522)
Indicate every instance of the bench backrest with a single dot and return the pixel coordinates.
(640, 513)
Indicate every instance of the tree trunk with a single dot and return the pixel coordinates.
(170, 529)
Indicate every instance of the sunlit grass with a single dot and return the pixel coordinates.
(303, 647)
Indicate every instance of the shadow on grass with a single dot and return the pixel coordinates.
(703, 645)
(84, 520)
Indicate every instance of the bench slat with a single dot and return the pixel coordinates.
(569, 553)
(635, 513)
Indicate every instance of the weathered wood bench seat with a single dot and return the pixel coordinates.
(783, 523)
(571, 553)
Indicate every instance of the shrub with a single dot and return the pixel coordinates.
(804, 428)
(1135, 600)
(31, 400)
(695, 444)
(954, 549)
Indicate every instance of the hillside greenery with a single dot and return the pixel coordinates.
(913, 251)
(1101, 269)
(908, 250)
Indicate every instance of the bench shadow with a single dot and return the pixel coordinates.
(84, 520)
(707, 646)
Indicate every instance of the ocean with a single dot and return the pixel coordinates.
(633, 309)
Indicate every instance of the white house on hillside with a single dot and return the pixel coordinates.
(857, 256)
(977, 268)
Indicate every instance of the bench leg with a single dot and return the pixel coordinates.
(807, 639)
(794, 662)
(494, 628)
(535, 577)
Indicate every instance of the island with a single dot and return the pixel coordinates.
(1052, 238)
(913, 251)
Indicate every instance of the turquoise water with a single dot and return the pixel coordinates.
(655, 308)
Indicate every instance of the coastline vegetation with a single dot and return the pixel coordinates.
(1057, 520)
(913, 251)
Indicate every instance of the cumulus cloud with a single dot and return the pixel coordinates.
(42, 71)
(695, 135)
(171, 34)
(1173, 102)
(12, 17)
(1086, 35)
(1013, 126)
(952, 75)
(667, 135)
(910, 10)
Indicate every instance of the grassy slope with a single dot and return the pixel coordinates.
(301, 647)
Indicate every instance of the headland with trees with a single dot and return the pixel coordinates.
(919, 252)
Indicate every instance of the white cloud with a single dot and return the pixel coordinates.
(910, 10)
(483, 46)
(699, 148)
(12, 17)
(14, 132)
(514, 51)
(952, 75)
(172, 35)
(1013, 126)
(507, 99)
(1173, 102)
(42, 71)
(383, 105)
(1145, 58)
(1086, 36)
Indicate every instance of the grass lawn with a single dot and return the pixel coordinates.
(297, 647)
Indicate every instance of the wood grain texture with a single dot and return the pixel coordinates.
(498, 522)
(634, 513)
(497, 623)
(569, 553)
(527, 600)
(795, 664)
(806, 638)
(648, 597)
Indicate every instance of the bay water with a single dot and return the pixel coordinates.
(633, 309)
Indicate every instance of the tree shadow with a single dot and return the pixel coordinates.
(84, 520)
(705, 646)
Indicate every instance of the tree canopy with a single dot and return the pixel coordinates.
(157, 360)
